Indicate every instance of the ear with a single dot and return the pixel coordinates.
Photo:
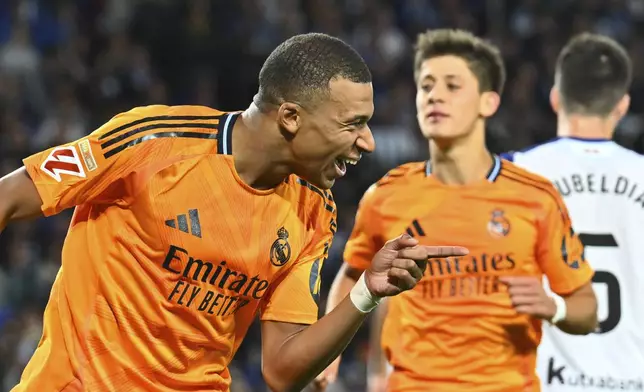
(554, 99)
(622, 107)
(289, 117)
(489, 103)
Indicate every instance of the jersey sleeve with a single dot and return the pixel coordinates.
(296, 295)
(560, 252)
(90, 169)
(365, 239)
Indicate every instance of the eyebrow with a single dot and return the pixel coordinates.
(448, 76)
(357, 119)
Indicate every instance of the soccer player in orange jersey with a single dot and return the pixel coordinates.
(189, 221)
(474, 322)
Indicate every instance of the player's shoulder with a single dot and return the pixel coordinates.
(629, 156)
(194, 127)
(526, 184)
(511, 169)
(166, 112)
(401, 175)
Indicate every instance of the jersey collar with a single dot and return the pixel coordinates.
(225, 135)
(491, 176)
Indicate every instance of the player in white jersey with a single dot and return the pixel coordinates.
(603, 187)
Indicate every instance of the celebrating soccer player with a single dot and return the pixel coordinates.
(474, 322)
(603, 186)
(189, 221)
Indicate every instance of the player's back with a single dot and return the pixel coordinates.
(166, 262)
(603, 187)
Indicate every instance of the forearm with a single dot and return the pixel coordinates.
(294, 355)
(307, 353)
(3, 220)
(581, 314)
(6, 209)
(19, 198)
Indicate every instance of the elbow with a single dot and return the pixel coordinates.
(279, 380)
(592, 322)
(579, 327)
(6, 209)
(274, 382)
(589, 326)
(584, 323)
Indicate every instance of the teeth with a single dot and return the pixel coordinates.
(348, 161)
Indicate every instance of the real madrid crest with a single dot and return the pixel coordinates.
(499, 225)
(281, 249)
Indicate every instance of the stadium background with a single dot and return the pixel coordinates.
(68, 66)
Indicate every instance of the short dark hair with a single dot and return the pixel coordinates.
(483, 58)
(593, 73)
(300, 69)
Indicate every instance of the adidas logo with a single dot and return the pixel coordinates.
(181, 223)
(415, 229)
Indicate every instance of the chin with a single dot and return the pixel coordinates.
(444, 136)
(318, 180)
(322, 182)
(439, 134)
(322, 178)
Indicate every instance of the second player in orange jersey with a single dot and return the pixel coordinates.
(473, 323)
(190, 221)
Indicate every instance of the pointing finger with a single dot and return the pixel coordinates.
(445, 251)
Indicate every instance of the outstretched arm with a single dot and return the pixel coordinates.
(340, 288)
(19, 198)
(363, 244)
(294, 354)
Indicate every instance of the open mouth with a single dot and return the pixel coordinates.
(341, 164)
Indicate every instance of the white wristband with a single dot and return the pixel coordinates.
(560, 313)
(362, 298)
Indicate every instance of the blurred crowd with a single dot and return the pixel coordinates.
(66, 67)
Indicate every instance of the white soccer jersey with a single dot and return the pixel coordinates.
(603, 187)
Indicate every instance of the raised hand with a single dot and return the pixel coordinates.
(401, 263)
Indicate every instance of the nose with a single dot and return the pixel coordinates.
(436, 94)
(366, 142)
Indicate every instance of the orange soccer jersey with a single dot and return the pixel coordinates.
(457, 330)
(169, 255)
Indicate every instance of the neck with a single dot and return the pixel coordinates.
(463, 161)
(586, 127)
(261, 160)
